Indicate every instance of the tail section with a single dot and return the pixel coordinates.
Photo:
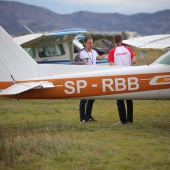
(15, 63)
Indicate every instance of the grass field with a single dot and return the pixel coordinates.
(47, 135)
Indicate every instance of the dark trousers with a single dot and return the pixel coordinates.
(85, 109)
(125, 115)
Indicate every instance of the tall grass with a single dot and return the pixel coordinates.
(47, 134)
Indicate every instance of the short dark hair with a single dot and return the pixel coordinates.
(117, 38)
(87, 38)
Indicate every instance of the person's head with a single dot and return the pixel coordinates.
(88, 43)
(117, 39)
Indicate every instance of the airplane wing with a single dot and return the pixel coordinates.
(43, 39)
(79, 37)
(153, 41)
(72, 31)
(27, 38)
(22, 87)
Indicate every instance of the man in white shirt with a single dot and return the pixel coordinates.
(89, 57)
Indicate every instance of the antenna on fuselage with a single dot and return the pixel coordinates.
(29, 30)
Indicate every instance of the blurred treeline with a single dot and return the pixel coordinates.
(98, 37)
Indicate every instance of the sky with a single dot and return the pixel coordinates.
(127, 7)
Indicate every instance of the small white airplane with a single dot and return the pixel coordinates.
(21, 77)
(58, 47)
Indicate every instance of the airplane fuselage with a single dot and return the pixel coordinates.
(22, 78)
(139, 82)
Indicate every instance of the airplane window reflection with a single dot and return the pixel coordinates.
(50, 51)
(30, 51)
(164, 59)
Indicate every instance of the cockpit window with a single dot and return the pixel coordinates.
(50, 51)
(164, 59)
(30, 51)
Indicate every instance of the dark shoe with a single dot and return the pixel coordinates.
(91, 120)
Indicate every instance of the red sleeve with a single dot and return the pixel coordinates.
(130, 50)
(111, 55)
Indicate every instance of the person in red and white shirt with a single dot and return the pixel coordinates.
(122, 55)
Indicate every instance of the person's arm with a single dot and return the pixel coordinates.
(100, 57)
(111, 63)
(133, 60)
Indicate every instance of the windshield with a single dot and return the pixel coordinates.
(164, 59)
